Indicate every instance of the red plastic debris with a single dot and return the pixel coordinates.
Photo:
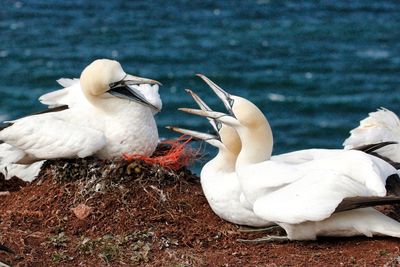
(177, 155)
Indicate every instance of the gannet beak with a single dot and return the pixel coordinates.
(123, 89)
(198, 135)
(134, 80)
(222, 94)
(204, 106)
(198, 100)
(219, 116)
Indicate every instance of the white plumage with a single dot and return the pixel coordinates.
(382, 125)
(218, 177)
(96, 123)
(302, 195)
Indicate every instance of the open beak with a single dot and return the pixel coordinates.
(204, 113)
(123, 89)
(222, 94)
(204, 107)
(195, 134)
(218, 116)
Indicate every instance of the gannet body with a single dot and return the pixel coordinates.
(218, 177)
(381, 125)
(104, 114)
(305, 197)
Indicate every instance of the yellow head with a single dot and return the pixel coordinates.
(97, 76)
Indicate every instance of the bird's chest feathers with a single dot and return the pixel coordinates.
(128, 130)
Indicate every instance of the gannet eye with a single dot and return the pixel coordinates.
(114, 84)
(218, 124)
(231, 101)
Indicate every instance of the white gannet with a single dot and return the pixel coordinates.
(381, 125)
(218, 177)
(316, 197)
(105, 113)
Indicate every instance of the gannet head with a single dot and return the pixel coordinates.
(242, 112)
(245, 117)
(225, 137)
(104, 79)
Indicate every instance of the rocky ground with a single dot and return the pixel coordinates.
(89, 212)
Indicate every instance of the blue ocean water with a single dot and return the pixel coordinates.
(315, 68)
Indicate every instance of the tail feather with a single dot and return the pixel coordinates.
(372, 150)
(369, 148)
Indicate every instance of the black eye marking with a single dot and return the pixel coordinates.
(114, 84)
(231, 101)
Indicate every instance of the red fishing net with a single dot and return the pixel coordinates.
(173, 154)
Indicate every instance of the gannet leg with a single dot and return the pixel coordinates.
(246, 229)
(268, 238)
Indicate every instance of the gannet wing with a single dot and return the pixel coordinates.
(380, 126)
(306, 155)
(71, 95)
(314, 197)
(47, 136)
(67, 82)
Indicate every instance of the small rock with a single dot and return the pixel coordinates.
(82, 211)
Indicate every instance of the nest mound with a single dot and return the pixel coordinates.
(89, 212)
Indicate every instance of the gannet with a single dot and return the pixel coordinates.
(316, 197)
(218, 178)
(104, 114)
(381, 125)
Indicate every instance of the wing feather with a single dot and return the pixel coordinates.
(71, 95)
(47, 137)
(380, 126)
(314, 197)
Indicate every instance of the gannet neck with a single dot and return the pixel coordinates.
(254, 131)
(225, 160)
(257, 145)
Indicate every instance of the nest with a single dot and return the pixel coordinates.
(166, 166)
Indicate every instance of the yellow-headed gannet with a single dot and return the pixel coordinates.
(380, 126)
(104, 114)
(218, 177)
(316, 197)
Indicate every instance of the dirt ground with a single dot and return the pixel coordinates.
(105, 213)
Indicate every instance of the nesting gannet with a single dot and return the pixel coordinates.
(218, 177)
(381, 125)
(105, 113)
(316, 197)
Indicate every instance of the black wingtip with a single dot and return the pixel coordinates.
(352, 203)
(373, 147)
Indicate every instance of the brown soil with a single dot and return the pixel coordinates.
(148, 215)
